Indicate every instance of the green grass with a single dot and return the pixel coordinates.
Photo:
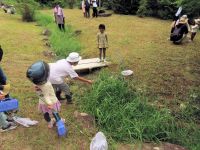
(61, 42)
(161, 69)
(126, 115)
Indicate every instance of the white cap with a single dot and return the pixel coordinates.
(73, 57)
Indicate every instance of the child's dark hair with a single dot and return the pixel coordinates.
(102, 26)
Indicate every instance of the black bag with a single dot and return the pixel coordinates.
(176, 34)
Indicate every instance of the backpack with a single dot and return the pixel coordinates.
(176, 34)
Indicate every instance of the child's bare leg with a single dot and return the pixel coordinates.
(48, 119)
(100, 53)
(192, 36)
(104, 53)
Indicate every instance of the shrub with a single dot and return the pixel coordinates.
(71, 3)
(28, 13)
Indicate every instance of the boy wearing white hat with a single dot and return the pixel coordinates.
(62, 69)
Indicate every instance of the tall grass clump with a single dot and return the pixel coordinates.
(43, 19)
(61, 42)
(123, 113)
(126, 115)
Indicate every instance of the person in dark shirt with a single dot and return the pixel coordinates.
(181, 31)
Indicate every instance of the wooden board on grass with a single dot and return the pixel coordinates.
(89, 64)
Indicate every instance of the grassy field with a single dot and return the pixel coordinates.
(141, 44)
(165, 71)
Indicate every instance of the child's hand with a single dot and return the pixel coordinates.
(2, 97)
(90, 81)
(36, 88)
(50, 106)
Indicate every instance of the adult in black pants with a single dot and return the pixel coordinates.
(87, 9)
(95, 11)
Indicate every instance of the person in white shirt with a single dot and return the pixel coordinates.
(62, 69)
(95, 11)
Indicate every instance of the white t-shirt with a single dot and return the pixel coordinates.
(60, 70)
(94, 3)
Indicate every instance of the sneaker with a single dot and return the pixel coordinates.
(11, 126)
(69, 99)
(104, 60)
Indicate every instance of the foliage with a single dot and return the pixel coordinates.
(61, 42)
(164, 9)
(123, 6)
(28, 13)
(125, 114)
(191, 7)
(62, 3)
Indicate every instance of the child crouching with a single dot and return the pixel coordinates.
(38, 73)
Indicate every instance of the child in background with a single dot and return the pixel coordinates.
(102, 40)
(195, 28)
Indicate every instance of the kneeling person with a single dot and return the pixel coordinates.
(62, 69)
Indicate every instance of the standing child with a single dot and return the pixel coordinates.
(102, 40)
(195, 28)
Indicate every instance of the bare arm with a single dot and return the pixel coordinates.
(83, 80)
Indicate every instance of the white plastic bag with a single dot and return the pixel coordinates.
(26, 122)
(127, 72)
(99, 142)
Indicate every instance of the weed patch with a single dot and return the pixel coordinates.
(125, 115)
(61, 42)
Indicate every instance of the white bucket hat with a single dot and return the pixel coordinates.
(73, 57)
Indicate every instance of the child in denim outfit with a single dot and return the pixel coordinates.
(4, 124)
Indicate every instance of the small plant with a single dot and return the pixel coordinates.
(28, 13)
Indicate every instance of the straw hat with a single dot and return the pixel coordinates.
(183, 20)
(73, 57)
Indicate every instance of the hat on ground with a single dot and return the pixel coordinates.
(73, 57)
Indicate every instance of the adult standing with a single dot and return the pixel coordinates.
(59, 17)
(83, 7)
(62, 69)
(87, 8)
(95, 11)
